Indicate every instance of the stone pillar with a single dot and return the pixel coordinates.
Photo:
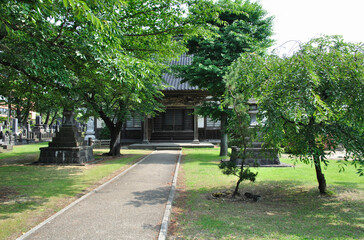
(257, 154)
(253, 111)
(15, 126)
(145, 131)
(195, 128)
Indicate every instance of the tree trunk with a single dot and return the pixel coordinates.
(319, 175)
(47, 118)
(18, 113)
(224, 136)
(115, 143)
(9, 111)
(236, 191)
(314, 151)
(54, 117)
(25, 116)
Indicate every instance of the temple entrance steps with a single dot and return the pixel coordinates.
(172, 136)
(171, 145)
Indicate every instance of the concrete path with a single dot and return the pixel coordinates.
(130, 206)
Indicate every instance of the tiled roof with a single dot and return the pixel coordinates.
(173, 83)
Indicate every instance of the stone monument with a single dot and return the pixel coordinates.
(257, 154)
(38, 128)
(15, 126)
(67, 147)
(7, 142)
(90, 130)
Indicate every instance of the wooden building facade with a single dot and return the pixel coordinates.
(178, 122)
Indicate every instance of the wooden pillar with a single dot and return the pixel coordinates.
(195, 128)
(145, 131)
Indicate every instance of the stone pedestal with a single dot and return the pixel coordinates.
(66, 155)
(256, 156)
(67, 146)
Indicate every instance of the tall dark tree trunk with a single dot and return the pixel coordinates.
(25, 116)
(9, 111)
(18, 113)
(319, 175)
(47, 118)
(224, 136)
(115, 132)
(54, 117)
(115, 143)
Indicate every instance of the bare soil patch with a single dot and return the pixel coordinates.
(7, 194)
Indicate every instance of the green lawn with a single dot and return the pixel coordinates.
(31, 193)
(23, 150)
(291, 206)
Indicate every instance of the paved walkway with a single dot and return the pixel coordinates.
(131, 206)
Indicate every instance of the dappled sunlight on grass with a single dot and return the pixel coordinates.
(290, 208)
(38, 191)
(21, 150)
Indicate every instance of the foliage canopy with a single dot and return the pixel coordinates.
(311, 101)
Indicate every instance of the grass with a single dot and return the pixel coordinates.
(20, 151)
(291, 206)
(31, 193)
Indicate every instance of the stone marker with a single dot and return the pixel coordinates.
(38, 128)
(90, 130)
(67, 147)
(15, 126)
(256, 154)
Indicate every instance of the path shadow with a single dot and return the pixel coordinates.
(150, 197)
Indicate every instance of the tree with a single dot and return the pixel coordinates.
(66, 48)
(128, 77)
(313, 100)
(241, 27)
(239, 135)
(241, 86)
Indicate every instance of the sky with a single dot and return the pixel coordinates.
(302, 20)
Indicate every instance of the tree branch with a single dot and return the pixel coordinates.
(30, 77)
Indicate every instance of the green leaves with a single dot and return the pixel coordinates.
(307, 99)
(234, 31)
